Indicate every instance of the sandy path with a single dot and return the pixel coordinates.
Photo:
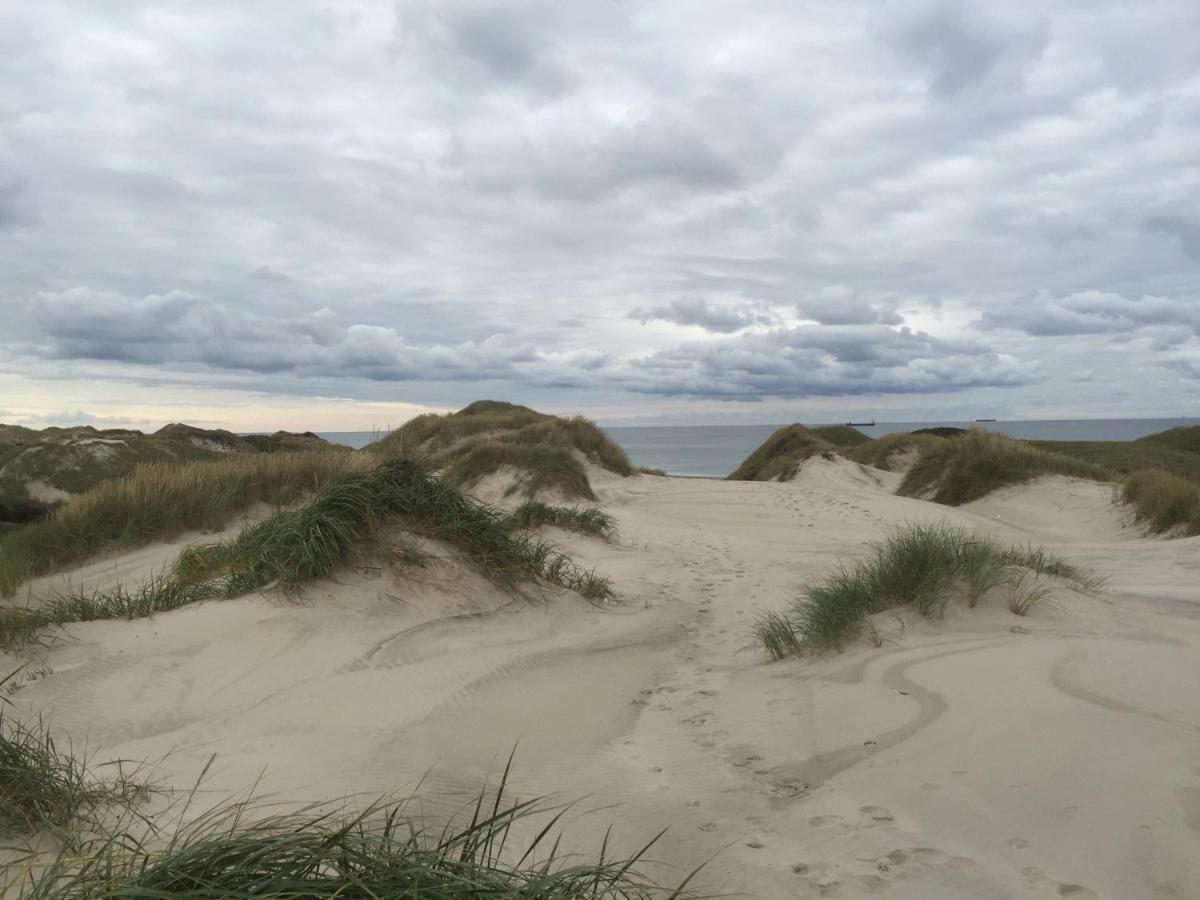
(960, 759)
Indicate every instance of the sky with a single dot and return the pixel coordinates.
(335, 215)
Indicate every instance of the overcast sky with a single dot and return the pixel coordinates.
(329, 215)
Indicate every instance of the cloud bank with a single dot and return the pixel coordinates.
(606, 205)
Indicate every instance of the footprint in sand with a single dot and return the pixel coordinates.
(1048, 887)
(913, 862)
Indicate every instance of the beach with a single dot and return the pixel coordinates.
(1055, 754)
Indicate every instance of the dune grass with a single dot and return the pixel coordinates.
(779, 457)
(489, 435)
(295, 547)
(1127, 457)
(960, 469)
(591, 521)
(844, 436)
(921, 567)
(45, 787)
(246, 850)
(892, 450)
(1164, 502)
(539, 469)
(161, 501)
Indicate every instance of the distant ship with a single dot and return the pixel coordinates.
(870, 424)
(985, 420)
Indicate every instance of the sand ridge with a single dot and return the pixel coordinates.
(1056, 755)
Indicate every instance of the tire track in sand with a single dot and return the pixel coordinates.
(816, 770)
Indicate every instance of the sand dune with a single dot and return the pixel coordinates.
(1056, 755)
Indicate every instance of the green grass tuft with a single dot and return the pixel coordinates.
(240, 850)
(779, 457)
(534, 514)
(295, 547)
(843, 436)
(922, 567)
(161, 501)
(489, 435)
(893, 451)
(960, 469)
(44, 787)
(1164, 502)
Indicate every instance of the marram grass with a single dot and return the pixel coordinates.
(921, 567)
(295, 547)
(957, 470)
(243, 850)
(489, 435)
(588, 520)
(45, 787)
(162, 500)
(1164, 502)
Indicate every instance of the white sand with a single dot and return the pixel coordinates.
(961, 759)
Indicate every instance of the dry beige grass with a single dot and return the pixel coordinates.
(162, 500)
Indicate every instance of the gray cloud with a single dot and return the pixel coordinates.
(480, 192)
(961, 47)
(1098, 312)
(838, 305)
(815, 361)
(697, 311)
(1185, 229)
(182, 329)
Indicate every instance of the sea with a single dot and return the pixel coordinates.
(716, 450)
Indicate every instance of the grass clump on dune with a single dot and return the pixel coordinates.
(534, 514)
(921, 567)
(1176, 450)
(779, 457)
(1164, 502)
(960, 469)
(45, 787)
(843, 436)
(489, 435)
(161, 501)
(297, 546)
(895, 451)
(239, 850)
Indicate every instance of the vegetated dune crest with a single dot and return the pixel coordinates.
(985, 754)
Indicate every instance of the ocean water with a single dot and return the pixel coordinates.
(716, 450)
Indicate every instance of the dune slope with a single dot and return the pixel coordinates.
(986, 755)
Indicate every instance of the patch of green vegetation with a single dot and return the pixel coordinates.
(44, 787)
(921, 567)
(893, 451)
(162, 501)
(1164, 502)
(957, 470)
(1185, 438)
(779, 457)
(239, 850)
(844, 436)
(295, 547)
(534, 514)
(1126, 457)
(489, 435)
